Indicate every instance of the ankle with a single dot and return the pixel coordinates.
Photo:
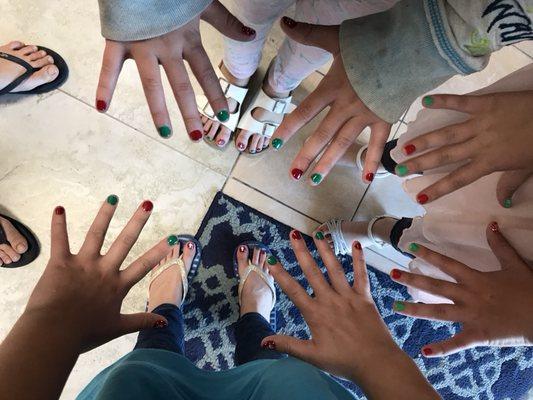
(232, 78)
(383, 227)
(273, 91)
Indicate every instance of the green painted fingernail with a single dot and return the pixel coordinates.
(414, 247)
(112, 199)
(223, 115)
(277, 143)
(428, 101)
(507, 203)
(401, 170)
(172, 240)
(272, 260)
(398, 306)
(165, 131)
(316, 178)
(319, 235)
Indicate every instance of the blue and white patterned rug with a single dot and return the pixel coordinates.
(482, 373)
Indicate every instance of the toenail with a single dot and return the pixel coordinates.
(319, 235)
(190, 245)
(147, 205)
(221, 142)
(252, 151)
(242, 249)
(21, 248)
(52, 71)
(15, 258)
(50, 59)
(241, 146)
(160, 324)
(296, 235)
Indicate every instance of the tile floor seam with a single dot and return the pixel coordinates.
(523, 52)
(381, 255)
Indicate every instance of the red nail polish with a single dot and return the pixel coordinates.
(242, 249)
(59, 210)
(195, 135)
(357, 245)
(369, 177)
(396, 274)
(409, 149)
(296, 235)
(494, 227)
(269, 344)
(101, 105)
(147, 205)
(160, 324)
(289, 22)
(241, 146)
(297, 173)
(422, 198)
(190, 245)
(221, 142)
(427, 351)
(248, 31)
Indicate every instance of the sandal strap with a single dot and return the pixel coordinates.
(376, 241)
(254, 268)
(17, 81)
(183, 273)
(381, 171)
(339, 242)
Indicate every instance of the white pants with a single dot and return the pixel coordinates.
(294, 61)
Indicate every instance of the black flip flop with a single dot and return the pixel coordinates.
(33, 245)
(59, 62)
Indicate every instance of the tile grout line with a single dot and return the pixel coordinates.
(523, 52)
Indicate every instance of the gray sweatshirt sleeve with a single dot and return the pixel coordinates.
(393, 57)
(128, 20)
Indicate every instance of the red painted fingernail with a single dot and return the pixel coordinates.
(357, 245)
(147, 205)
(494, 227)
(395, 274)
(269, 344)
(409, 149)
(297, 173)
(248, 31)
(59, 210)
(160, 324)
(221, 142)
(242, 249)
(427, 351)
(369, 177)
(289, 22)
(422, 198)
(195, 135)
(241, 146)
(101, 105)
(296, 235)
(190, 245)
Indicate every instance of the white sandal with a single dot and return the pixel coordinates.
(380, 173)
(183, 273)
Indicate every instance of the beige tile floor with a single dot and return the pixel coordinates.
(56, 149)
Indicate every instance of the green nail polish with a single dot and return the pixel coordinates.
(428, 101)
(223, 115)
(507, 203)
(414, 247)
(172, 240)
(272, 260)
(112, 199)
(398, 306)
(319, 235)
(277, 143)
(401, 170)
(316, 178)
(165, 131)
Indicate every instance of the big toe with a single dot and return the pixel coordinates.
(242, 258)
(40, 77)
(189, 251)
(223, 136)
(242, 140)
(14, 237)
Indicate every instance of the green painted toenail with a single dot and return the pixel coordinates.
(165, 131)
(223, 115)
(272, 260)
(398, 306)
(507, 203)
(172, 240)
(427, 101)
(414, 247)
(112, 199)
(319, 235)
(277, 143)
(401, 170)
(316, 178)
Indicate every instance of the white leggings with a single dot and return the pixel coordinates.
(294, 61)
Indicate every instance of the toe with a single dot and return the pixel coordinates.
(27, 50)
(10, 252)
(4, 258)
(255, 256)
(15, 45)
(213, 130)
(242, 140)
(242, 258)
(189, 251)
(266, 143)
(44, 75)
(37, 55)
(252, 144)
(14, 237)
(223, 136)
(259, 146)
(41, 62)
(261, 262)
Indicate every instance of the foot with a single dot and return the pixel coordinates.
(9, 70)
(11, 253)
(167, 288)
(256, 295)
(214, 130)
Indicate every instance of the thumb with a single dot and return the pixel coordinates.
(289, 345)
(136, 322)
(509, 183)
(461, 341)
(324, 36)
(223, 21)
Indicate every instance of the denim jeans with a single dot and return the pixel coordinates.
(250, 330)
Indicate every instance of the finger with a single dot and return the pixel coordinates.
(463, 103)
(461, 341)
(324, 36)
(150, 74)
(434, 312)
(360, 280)
(96, 235)
(431, 285)
(184, 94)
(448, 265)
(502, 249)
(287, 344)
(112, 61)
(451, 134)
(222, 20)
(379, 136)
(59, 237)
(310, 269)
(130, 323)
(292, 289)
(509, 183)
(129, 235)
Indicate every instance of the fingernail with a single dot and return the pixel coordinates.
(319, 235)
(369, 177)
(101, 105)
(269, 344)
(221, 142)
(277, 143)
(190, 245)
(289, 22)
(409, 149)
(172, 240)
(59, 210)
(316, 178)
(427, 101)
(401, 170)
(160, 324)
(241, 146)
(357, 245)
(164, 131)
(248, 31)
(422, 198)
(223, 115)
(272, 260)
(494, 227)
(507, 203)
(147, 205)
(427, 351)
(296, 235)
(112, 199)
(395, 274)
(414, 247)
(21, 248)
(195, 135)
(297, 173)
(242, 249)
(398, 306)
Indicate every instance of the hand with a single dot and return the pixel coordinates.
(346, 119)
(494, 308)
(170, 50)
(83, 293)
(497, 137)
(349, 338)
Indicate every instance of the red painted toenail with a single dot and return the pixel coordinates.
(221, 142)
(147, 205)
(296, 235)
(357, 245)
(396, 274)
(241, 146)
(160, 324)
(242, 249)
(269, 344)
(101, 105)
(427, 351)
(409, 149)
(297, 173)
(422, 198)
(248, 31)
(195, 135)
(59, 210)
(369, 177)
(190, 245)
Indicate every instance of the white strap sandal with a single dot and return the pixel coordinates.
(183, 273)
(268, 280)
(380, 173)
